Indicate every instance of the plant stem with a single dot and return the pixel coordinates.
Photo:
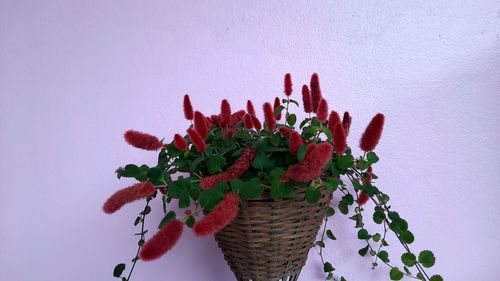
(136, 258)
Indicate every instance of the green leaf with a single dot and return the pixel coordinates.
(301, 152)
(332, 183)
(261, 161)
(345, 162)
(376, 237)
(155, 174)
(190, 221)
(119, 268)
(275, 140)
(179, 189)
(146, 210)
(320, 244)
(215, 164)
(343, 207)
(408, 259)
(362, 252)
(372, 157)
(436, 277)
(167, 218)
(277, 189)
(130, 171)
(363, 165)
(289, 191)
(210, 198)
(393, 215)
(348, 199)
(363, 234)
(330, 212)
(330, 235)
(291, 119)
(327, 267)
(141, 242)
(378, 217)
(251, 189)
(278, 110)
(342, 278)
(407, 237)
(383, 256)
(427, 258)
(312, 195)
(396, 274)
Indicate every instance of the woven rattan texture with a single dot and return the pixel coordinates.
(269, 240)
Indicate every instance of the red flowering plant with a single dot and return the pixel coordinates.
(231, 156)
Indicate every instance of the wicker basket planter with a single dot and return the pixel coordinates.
(270, 239)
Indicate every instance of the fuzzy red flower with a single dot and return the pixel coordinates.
(346, 122)
(315, 158)
(371, 136)
(277, 104)
(333, 120)
(322, 111)
(315, 92)
(269, 117)
(197, 140)
(306, 99)
(219, 217)
(200, 124)
(362, 198)
(180, 143)
(288, 84)
(250, 108)
(339, 139)
(285, 131)
(208, 120)
(369, 170)
(142, 140)
(295, 142)
(256, 123)
(247, 121)
(239, 167)
(225, 113)
(162, 241)
(237, 117)
(188, 108)
(127, 195)
(216, 119)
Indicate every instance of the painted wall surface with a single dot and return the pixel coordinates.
(74, 75)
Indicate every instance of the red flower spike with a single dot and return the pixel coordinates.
(237, 117)
(216, 120)
(346, 122)
(269, 117)
(162, 241)
(339, 139)
(322, 112)
(277, 104)
(247, 122)
(127, 195)
(315, 158)
(285, 131)
(200, 124)
(208, 121)
(219, 217)
(315, 92)
(239, 167)
(371, 136)
(288, 84)
(306, 99)
(225, 113)
(188, 108)
(362, 198)
(180, 143)
(333, 120)
(142, 140)
(256, 123)
(250, 108)
(197, 140)
(295, 142)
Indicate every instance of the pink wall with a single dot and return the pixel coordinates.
(74, 75)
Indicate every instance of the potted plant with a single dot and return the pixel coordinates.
(264, 189)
